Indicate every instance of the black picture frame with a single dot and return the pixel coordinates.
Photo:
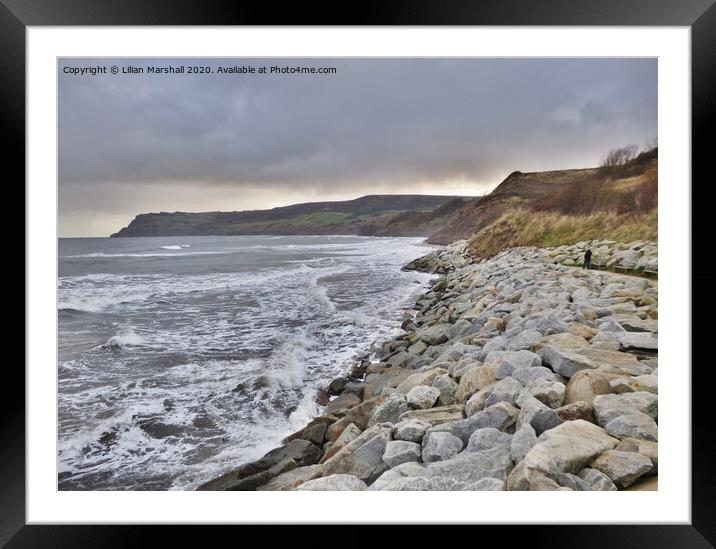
(699, 15)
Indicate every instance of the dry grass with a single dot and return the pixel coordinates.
(524, 227)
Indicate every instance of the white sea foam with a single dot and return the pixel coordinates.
(203, 372)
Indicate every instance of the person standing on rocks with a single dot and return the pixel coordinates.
(588, 259)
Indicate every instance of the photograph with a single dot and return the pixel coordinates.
(357, 274)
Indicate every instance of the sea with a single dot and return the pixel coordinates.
(180, 358)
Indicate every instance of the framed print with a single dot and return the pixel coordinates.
(412, 260)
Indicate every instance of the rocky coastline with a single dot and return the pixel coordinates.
(518, 372)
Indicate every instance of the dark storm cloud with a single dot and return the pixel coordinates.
(397, 125)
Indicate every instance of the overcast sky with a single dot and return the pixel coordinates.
(135, 143)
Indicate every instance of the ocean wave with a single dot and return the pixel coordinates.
(148, 254)
(127, 337)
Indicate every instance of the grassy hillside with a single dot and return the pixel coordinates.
(414, 215)
(523, 227)
(561, 207)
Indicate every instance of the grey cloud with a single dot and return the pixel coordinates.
(398, 124)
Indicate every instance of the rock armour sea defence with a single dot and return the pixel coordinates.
(519, 372)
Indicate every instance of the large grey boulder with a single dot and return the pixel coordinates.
(609, 407)
(411, 430)
(438, 446)
(363, 457)
(522, 442)
(447, 388)
(525, 340)
(633, 425)
(484, 439)
(638, 341)
(404, 470)
(337, 482)
(471, 467)
(400, 451)
(422, 396)
(390, 410)
(568, 360)
(435, 335)
(517, 360)
(535, 413)
(506, 390)
(534, 375)
(623, 468)
(498, 416)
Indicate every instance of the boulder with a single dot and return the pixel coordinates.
(422, 397)
(484, 439)
(437, 415)
(633, 425)
(586, 384)
(597, 480)
(471, 467)
(476, 403)
(525, 340)
(531, 376)
(360, 415)
(314, 432)
(642, 341)
(341, 404)
(550, 393)
(567, 448)
(648, 383)
(253, 482)
(336, 386)
(409, 469)
(498, 416)
(300, 452)
(411, 430)
(645, 448)
(447, 388)
(420, 378)
(363, 457)
(348, 435)
(332, 483)
(374, 383)
(575, 410)
(623, 468)
(292, 479)
(517, 360)
(522, 442)
(390, 410)
(535, 413)
(435, 335)
(473, 380)
(608, 407)
(506, 390)
(438, 446)
(400, 451)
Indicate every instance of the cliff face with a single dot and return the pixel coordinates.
(384, 215)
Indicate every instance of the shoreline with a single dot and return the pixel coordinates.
(479, 376)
